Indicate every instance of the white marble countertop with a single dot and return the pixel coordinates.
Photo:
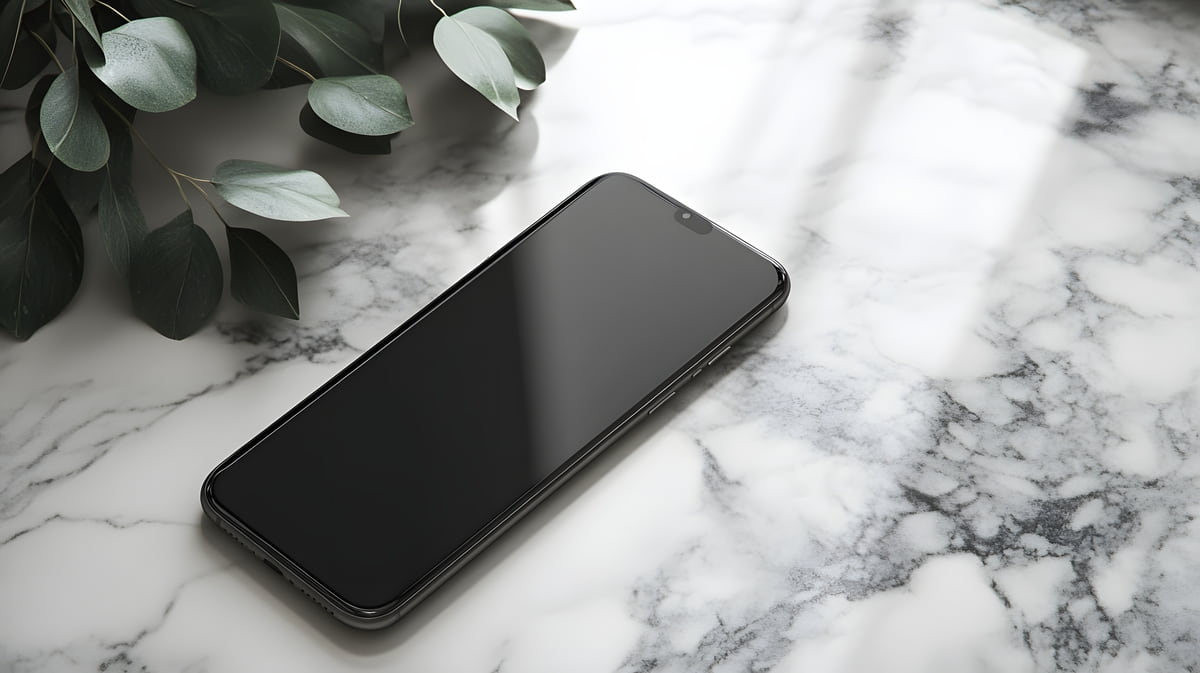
(969, 443)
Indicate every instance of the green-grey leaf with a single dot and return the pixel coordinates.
(477, 58)
(369, 105)
(150, 64)
(122, 223)
(82, 11)
(260, 274)
(523, 54)
(276, 193)
(175, 278)
(41, 249)
(71, 125)
(540, 5)
(235, 41)
(326, 132)
(336, 44)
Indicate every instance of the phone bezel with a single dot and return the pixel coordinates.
(379, 617)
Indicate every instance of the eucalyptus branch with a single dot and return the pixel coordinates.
(438, 7)
(175, 175)
(297, 68)
(114, 10)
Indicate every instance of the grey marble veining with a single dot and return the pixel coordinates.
(967, 444)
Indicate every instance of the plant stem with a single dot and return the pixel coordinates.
(175, 175)
(48, 50)
(210, 203)
(297, 68)
(74, 57)
(439, 7)
(114, 10)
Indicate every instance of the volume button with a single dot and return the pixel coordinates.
(718, 355)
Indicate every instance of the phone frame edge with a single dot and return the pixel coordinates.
(377, 618)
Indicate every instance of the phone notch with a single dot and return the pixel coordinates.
(693, 221)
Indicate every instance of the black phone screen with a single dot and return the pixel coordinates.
(380, 478)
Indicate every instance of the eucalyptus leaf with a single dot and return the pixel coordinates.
(122, 223)
(21, 56)
(477, 59)
(260, 274)
(276, 193)
(11, 16)
(41, 249)
(175, 278)
(539, 5)
(337, 45)
(236, 41)
(326, 132)
(368, 14)
(369, 105)
(527, 64)
(80, 189)
(72, 127)
(150, 64)
(82, 11)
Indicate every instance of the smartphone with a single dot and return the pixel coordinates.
(388, 479)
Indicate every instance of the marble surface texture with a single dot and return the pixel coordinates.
(971, 441)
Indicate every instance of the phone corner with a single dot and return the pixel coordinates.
(208, 501)
(783, 287)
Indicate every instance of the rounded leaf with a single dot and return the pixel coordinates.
(527, 64)
(326, 132)
(477, 58)
(235, 41)
(369, 105)
(122, 223)
(22, 57)
(260, 274)
(41, 249)
(337, 45)
(276, 193)
(175, 278)
(72, 127)
(149, 63)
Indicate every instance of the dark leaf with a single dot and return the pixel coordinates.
(370, 15)
(336, 45)
(33, 109)
(122, 223)
(80, 190)
(175, 278)
(41, 249)
(72, 127)
(325, 132)
(236, 42)
(23, 57)
(369, 105)
(260, 274)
